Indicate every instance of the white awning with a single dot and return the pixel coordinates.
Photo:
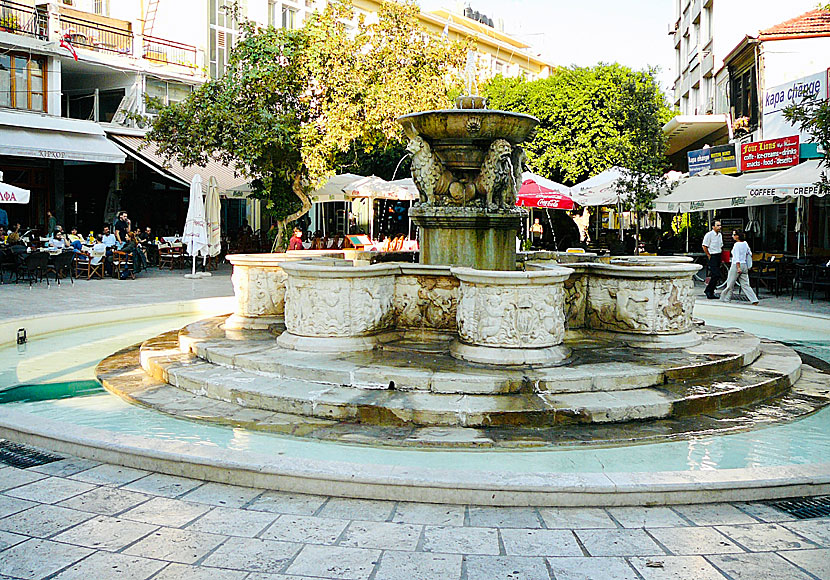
(44, 137)
(11, 194)
(796, 181)
(332, 190)
(685, 130)
(375, 187)
(710, 190)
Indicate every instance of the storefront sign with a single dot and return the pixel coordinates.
(780, 97)
(52, 154)
(771, 154)
(721, 158)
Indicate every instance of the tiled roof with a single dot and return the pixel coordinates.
(812, 23)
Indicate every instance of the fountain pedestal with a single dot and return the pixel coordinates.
(466, 236)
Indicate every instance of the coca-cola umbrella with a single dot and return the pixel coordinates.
(537, 191)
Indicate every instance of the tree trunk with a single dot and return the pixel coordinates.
(282, 225)
(637, 235)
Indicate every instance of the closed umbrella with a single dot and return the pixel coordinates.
(800, 225)
(195, 236)
(213, 218)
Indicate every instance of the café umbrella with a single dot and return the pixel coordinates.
(195, 237)
(213, 218)
(537, 191)
(12, 194)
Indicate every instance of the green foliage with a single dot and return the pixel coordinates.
(813, 117)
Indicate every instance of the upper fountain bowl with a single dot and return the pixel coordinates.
(470, 124)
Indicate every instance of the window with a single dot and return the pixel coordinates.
(222, 33)
(744, 96)
(101, 7)
(289, 17)
(166, 92)
(22, 82)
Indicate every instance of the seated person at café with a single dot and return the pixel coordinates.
(150, 249)
(57, 242)
(14, 236)
(109, 238)
(296, 241)
(75, 240)
(309, 241)
(131, 247)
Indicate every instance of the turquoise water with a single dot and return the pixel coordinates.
(68, 359)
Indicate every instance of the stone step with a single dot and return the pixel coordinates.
(772, 373)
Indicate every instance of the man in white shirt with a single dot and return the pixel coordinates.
(713, 246)
(109, 238)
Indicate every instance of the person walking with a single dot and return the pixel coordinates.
(713, 246)
(739, 271)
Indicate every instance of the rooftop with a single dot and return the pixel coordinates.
(812, 23)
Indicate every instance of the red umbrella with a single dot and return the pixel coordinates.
(535, 194)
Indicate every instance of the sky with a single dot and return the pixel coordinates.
(586, 32)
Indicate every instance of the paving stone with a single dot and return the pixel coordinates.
(765, 513)
(8, 539)
(29, 559)
(163, 485)
(676, 568)
(381, 535)
(220, 494)
(50, 490)
(306, 529)
(540, 543)
(11, 505)
(714, 514)
(576, 518)
(817, 530)
(107, 565)
(456, 540)
(174, 545)
(428, 513)
(765, 537)
(43, 520)
(691, 541)
(252, 554)
(756, 566)
(11, 477)
(166, 512)
(618, 543)
(357, 509)
(288, 503)
(647, 517)
(504, 517)
(106, 500)
(420, 566)
(335, 562)
(233, 522)
(105, 533)
(505, 568)
(184, 572)
(65, 467)
(816, 562)
(106, 474)
(591, 569)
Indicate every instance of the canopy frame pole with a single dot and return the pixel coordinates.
(688, 227)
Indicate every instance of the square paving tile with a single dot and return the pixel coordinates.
(504, 517)
(765, 537)
(36, 559)
(817, 530)
(816, 562)
(335, 562)
(105, 500)
(647, 517)
(765, 513)
(692, 541)
(107, 474)
(65, 467)
(166, 512)
(11, 505)
(506, 568)
(456, 540)
(233, 522)
(163, 485)
(592, 569)
(184, 572)
(174, 545)
(43, 520)
(357, 509)
(382, 535)
(306, 529)
(8, 539)
(288, 503)
(428, 513)
(107, 565)
(714, 514)
(757, 566)
(576, 518)
(11, 477)
(105, 533)
(540, 543)
(676, 568)
(50, 490)
(220, 494)
(252, 554)
(618, 543)
(420, 566)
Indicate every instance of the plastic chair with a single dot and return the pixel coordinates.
(33, 268)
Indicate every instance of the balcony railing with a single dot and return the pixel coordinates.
(21, 19)
(96, 36)
(169, 52)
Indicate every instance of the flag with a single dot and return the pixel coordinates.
(66, 42)
(446, 32)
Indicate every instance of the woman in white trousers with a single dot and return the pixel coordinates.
(739, 270)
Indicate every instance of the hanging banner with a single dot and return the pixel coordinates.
(770, 154)
(780, 97)
(720, 158)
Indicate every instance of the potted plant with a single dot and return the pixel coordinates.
(9, 23)
(740, 126)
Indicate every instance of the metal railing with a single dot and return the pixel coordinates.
(21, 19)
(169, 52)
(96, 36)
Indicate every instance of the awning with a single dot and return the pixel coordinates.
(536, 191)
(332, 190)
(11, 194)
(42, 137)
(796, 181)
(377, 188)
(600, 189)
(225, 178)
(685, 130)
(710, 190)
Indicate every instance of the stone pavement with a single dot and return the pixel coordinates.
(80, 519)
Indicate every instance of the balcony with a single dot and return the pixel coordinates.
(114, 36)
(22, 19)
(163, 51)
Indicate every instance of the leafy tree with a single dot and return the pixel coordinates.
(813, 117)
(293, 104)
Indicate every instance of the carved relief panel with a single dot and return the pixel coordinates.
(259, 291)
(426, 302)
